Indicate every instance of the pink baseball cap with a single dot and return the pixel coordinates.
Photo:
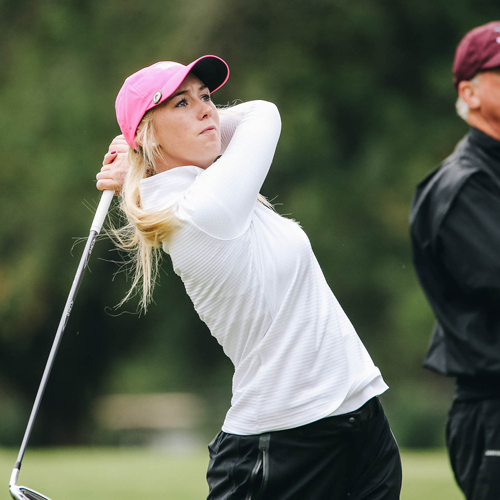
(478, 50)
(150, 86)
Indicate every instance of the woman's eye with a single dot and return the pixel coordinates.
(181, 103)
(205, 97)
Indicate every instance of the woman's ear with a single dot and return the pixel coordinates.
(468, 91)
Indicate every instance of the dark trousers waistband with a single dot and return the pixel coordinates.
(479, 387)
(345, 456)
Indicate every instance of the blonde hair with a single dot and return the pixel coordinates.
(144, 233)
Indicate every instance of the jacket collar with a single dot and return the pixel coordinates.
(489, 145)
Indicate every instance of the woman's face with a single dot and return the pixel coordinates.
(187, 127)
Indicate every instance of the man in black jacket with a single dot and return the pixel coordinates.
(455, 232)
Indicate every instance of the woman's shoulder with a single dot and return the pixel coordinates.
(162, 190)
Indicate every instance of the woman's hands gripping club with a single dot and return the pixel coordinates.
(114, 166)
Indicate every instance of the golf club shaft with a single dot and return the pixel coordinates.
(97, 223)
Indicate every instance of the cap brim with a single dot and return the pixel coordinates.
(211, 70)
(494, 62)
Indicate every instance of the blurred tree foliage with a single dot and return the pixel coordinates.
(367, 103)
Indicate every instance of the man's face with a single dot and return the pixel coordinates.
(488, 91)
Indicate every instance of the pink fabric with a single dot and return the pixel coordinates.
(150, 86)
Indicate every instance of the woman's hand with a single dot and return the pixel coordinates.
(114, 166)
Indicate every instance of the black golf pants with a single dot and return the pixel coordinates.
(473, 440)
(352, 456)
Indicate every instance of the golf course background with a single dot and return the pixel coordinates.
(128, 474)
(367, 103)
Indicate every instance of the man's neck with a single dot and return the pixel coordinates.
(491, 129)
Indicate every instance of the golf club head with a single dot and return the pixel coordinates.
(23, 493)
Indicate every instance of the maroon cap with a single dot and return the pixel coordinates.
(478, 50)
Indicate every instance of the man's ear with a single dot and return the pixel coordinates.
(468, 91)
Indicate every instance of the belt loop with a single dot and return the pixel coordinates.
(264, 443)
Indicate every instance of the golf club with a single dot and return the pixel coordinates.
(21, 492)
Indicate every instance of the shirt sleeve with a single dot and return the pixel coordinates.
(222, 199)
(469, 237)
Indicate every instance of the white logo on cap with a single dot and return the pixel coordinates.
(157, 97)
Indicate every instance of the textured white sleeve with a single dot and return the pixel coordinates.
(222, 199)
(230, 118)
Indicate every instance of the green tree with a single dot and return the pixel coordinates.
(365, 93)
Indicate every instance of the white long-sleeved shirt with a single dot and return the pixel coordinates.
(254, 280)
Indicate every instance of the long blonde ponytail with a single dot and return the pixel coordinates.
(145, 231)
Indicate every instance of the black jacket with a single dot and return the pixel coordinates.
(455, 233)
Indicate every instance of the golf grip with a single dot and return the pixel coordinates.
(102, 210)
(97, 223)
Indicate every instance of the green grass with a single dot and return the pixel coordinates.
(104, 474)
(427, 475)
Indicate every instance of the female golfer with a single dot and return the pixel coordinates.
(305, 422)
